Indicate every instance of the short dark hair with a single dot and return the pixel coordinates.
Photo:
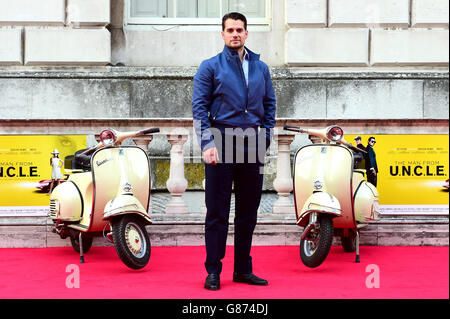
(234, 16)
(371, 138)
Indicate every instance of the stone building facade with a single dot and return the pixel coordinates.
(69, 66)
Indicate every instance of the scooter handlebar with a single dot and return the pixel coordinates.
(352, 147)
(293, 128)
(151, 130)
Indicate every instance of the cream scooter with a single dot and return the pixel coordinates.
(109, 195)
(331, 197)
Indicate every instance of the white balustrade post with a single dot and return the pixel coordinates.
(143, 141)
(176, 184)
(283, 182)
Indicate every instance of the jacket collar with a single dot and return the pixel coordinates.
(232, 53)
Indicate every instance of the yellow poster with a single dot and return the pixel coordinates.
(412, 170)
(25, 161)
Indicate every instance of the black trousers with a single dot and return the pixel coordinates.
(248, 180)
(372, 178)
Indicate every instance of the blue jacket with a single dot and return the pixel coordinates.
(221, 96)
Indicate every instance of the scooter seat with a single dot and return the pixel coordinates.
(81, 161)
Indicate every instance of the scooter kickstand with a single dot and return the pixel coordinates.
(357, 247)
(80, 240)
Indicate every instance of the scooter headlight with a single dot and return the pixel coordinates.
(108, 137)
(335, 133)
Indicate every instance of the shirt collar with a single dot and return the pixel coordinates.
(246, 55)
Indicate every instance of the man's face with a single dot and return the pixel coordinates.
(358, 142)
(234, 34)
(372, 142)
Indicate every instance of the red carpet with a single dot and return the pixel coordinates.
(178, 273)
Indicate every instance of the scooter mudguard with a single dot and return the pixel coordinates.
(319, 202)
(125, 204)
(366, 202)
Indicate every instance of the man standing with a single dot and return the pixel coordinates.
(233, 107)
(371, 162)
(359, 143)
(359, 156)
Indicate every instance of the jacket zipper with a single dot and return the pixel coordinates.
(239, 63)
(241, 70)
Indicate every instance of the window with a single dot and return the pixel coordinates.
(208, 12)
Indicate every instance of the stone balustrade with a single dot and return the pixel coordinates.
(169, 146)
(178, 211)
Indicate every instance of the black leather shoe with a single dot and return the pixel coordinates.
(250, 279)
(212, 282)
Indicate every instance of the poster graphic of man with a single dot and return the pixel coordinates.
(371, 162)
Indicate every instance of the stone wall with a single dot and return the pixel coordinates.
(367, 32)
(49, 32)
(300, 33)
(304, 33)
(166, 92)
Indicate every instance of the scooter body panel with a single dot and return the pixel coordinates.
(366, 202)
(331, 166)
(72, 201)
(112, 168)
(66, 203)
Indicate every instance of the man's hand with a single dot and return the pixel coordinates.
(211, 156)
(373, 171)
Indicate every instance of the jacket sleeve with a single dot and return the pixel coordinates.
(269, 103)
(201, 103)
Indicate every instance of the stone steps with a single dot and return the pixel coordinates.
(271, 230)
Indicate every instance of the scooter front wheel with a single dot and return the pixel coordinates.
(131, 241)
(316, 246)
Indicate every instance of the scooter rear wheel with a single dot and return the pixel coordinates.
(75, 241)
(316, 246)
(349, 242)
(131, 241)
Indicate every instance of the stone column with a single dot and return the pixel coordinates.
(283, 181)
(143, 141)
(176, 184)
